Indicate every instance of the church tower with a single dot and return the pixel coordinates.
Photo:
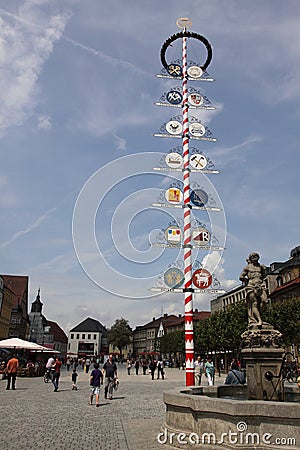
(37, 305)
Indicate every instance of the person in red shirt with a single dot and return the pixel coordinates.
(12, 368)
(55, 379)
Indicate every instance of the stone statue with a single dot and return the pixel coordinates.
(253, 276)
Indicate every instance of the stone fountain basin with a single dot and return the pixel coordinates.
(220, 417)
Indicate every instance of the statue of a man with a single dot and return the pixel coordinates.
(253, 276)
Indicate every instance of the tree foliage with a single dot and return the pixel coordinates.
(120, 334)
(222, 330)
(173, 342)
(285, 317)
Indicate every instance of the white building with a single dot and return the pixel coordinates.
(89, 338)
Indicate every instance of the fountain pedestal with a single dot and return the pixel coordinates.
(262, 353)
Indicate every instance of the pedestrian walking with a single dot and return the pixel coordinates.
(87, 365)
(128, 365)
(68, 363)
(74, 380)
(160, 369)
(209, 371)
(110, 373)
(152, 367)
(11, 371)
(199, 369)
(137, 366)
(96, 379)
(144, 366)
(56, 374)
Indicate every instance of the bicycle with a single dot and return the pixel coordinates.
(48, 375)
(290, 375)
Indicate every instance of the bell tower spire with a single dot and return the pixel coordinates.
(37, 305)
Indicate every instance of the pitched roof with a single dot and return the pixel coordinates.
(197, 315)
(90, 325)
(155, 323)
(58, 333)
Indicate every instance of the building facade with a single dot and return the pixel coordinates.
(46, 332)
(89, 338)
(145, 337)
(287, 276)
(19, 320)
(282, 282)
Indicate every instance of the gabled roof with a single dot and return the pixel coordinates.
(58, 333)
(90, 325)
(197, 315)
(155, 323)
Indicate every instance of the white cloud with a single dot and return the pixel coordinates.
(24, 49)
(120, 142)
(7, 198)
(44, 122)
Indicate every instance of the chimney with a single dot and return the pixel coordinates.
(153, 318)
(165, 314)
(196, 310)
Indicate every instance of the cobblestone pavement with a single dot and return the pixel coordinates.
(35, 417)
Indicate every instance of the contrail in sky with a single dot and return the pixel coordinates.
(98, 53)
(31, 227)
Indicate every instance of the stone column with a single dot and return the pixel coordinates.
(262, 354)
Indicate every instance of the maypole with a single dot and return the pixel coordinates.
(196, 236)
(187, 248)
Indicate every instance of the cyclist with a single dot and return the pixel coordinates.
(49, 367)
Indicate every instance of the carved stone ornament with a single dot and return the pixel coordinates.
(266, 336)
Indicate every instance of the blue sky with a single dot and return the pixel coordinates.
(77, 112)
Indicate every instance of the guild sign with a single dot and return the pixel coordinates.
(173, 278)
(174, 127)
(173, 235)
(174, 195)
(195, 72)
(200, 236)
(175, 70)
(202, 279)
(174, 160)
(195, 99)
(198, 161)
(174, 97)
(199, 197)
(197, 129)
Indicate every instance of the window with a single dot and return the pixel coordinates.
(95, 336)
(77, 336)
(83, 336)
(89, 336)
(72, 336)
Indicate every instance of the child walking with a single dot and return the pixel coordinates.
(74, 380)
(96, 379)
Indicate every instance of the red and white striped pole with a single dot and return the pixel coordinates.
(187, 248)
